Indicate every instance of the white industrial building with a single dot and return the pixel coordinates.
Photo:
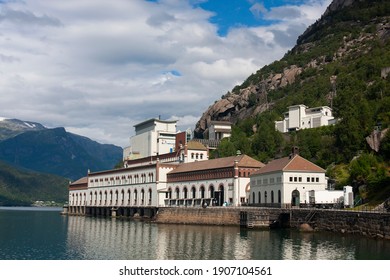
(301, 117)
(147, 181)
(284, 182)
(152, 137)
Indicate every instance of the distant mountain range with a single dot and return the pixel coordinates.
(12, 127)
(32, 146)
(36, 163)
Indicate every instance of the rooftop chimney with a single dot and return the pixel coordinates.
(294, 151)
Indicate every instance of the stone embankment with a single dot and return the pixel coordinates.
(371, 224)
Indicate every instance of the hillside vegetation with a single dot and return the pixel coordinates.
(23, 188)
(341, 61)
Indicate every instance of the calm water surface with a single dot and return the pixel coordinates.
(42, 233)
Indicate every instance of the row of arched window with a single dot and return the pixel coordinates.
(123, 180)
(266, 197)
(192, 193)
(112, 198)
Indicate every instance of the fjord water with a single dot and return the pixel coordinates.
(44, 234)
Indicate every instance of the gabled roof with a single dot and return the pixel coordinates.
(195, 145)
(242, 160)
(294, 163)
(83, 180)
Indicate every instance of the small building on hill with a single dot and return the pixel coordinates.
(284, 182)
(301, 117)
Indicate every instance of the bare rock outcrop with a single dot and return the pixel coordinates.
(248, 101)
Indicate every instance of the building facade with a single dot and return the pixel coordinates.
(152, 137)
(219, 130)
(284, 182)
(301, 117)
(215, 182)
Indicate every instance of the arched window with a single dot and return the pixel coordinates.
(193, 191)
(272, 196)
(202, 190)
(177, 191)
(265, 197)
(150, 197)
(259, 197)
(211, 189)
(185, 192)
(279, 197)
(135, 197)
(142, 196)
(90, 198)
(253, 198)
(116, 197)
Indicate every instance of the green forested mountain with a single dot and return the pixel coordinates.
(36, 163)
(56, 151)
(342, 61)
(22, 187)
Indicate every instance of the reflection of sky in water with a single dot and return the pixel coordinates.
(48, 235)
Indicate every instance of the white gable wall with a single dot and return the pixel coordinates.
(285, 182)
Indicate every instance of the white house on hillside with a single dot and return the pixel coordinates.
(301, 117)
(285, 181)
(219, 130)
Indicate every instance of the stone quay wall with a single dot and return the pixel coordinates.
(226, 216)
(371, 224)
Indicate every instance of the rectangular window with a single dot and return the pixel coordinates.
(317, 179)
(291, 179)
(295, 179)
(300, 179)
(312, 179)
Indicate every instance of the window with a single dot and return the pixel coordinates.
(295, 179)
(300, 179)
(312, 179)
(291, 179)
(308, 179)
(317, 179)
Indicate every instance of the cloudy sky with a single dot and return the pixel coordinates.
(98, 67)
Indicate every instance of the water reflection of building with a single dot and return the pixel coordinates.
(163, 168)
(89, 238)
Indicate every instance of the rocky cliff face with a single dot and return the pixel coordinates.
(248, 101)
(251, 98)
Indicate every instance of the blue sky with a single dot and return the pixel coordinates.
(242, 13)
(99, 69)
